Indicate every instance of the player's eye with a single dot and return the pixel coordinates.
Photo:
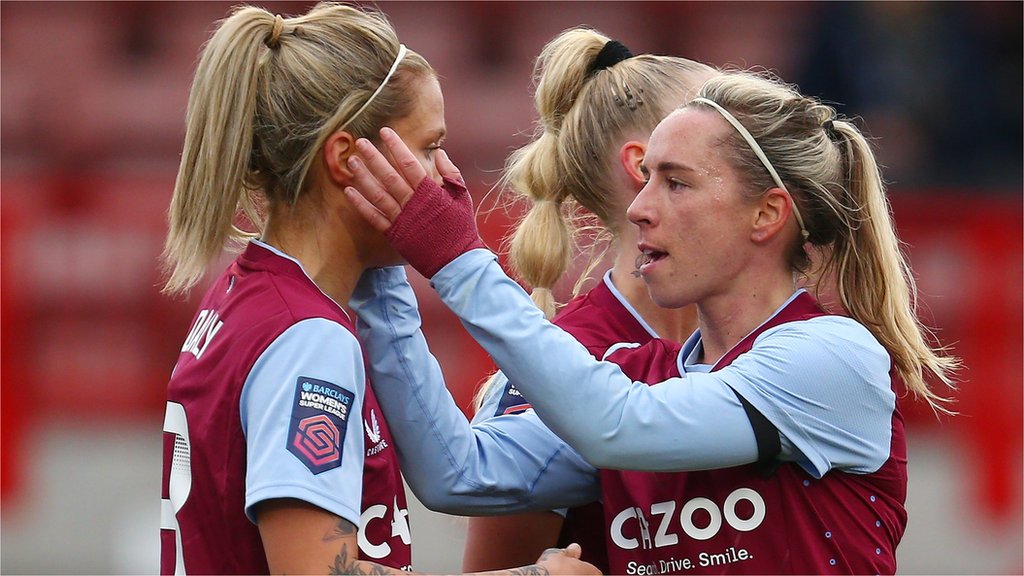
(432, 148)
(676, 184)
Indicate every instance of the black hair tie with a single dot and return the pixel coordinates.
(611, 54)
(830, 130)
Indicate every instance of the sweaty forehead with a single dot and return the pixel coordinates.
(687, 134)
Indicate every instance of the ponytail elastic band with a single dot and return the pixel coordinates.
(274, 40)
(760, 155)
(830, 130)
(611, 54)
(398, 60)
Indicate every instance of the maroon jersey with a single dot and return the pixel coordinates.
(601, 320)
(753, 519)
(262, 296)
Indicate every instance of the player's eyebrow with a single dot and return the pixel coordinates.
(669, 166)
(666, 166)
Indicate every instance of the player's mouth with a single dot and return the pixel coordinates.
(648, 259)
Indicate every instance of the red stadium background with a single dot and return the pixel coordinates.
(93, 98)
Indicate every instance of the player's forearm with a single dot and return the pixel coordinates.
(433, 438)
(451, 466)
(626, 425)
(502, 318)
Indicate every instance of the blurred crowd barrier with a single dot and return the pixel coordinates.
(93, 104)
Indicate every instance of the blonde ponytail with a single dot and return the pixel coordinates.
(540, 251)
(268, 91)
(874, 280)
(585, 114)
(565, 174)
(828, 167)
(211, 185)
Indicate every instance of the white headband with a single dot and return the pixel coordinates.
(398, 60)
(760, 155)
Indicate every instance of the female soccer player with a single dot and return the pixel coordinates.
(597, 104)
(771, 442)
(277, 456)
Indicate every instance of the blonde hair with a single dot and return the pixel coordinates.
(829, 168)
(583, 116)
(267, 93)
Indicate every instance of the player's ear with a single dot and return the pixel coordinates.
(770, 214)
(631, 156)
(336, 151)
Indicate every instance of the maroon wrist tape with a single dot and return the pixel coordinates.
(435, 226)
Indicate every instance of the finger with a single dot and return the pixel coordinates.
(373, 190)
(447, 168)
(405, 161)
(367, 210)
(380, 169)
(573, 550)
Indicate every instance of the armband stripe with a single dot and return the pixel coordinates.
(767, 435)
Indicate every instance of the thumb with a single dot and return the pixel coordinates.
(446, 168)
(573, 550)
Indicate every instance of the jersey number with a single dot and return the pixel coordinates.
(179, 480)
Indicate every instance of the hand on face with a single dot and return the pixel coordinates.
(381, 189)
(429, 225)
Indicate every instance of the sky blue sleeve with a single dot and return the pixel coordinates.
(500, 392)
(311, 352)
(506, 464)
(823, 383)
(611, 421)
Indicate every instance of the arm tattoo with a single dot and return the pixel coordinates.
(343, 564)
(531, 570)
(536, 569)
(343, 529)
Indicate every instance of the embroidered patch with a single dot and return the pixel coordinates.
(319, 421)
(512, 401)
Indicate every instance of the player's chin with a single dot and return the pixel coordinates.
(658, 292)
(665, 293)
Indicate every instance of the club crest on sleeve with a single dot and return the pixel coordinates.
(512, 401)
(320, 413)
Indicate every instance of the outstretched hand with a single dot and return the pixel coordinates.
(427, 223)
